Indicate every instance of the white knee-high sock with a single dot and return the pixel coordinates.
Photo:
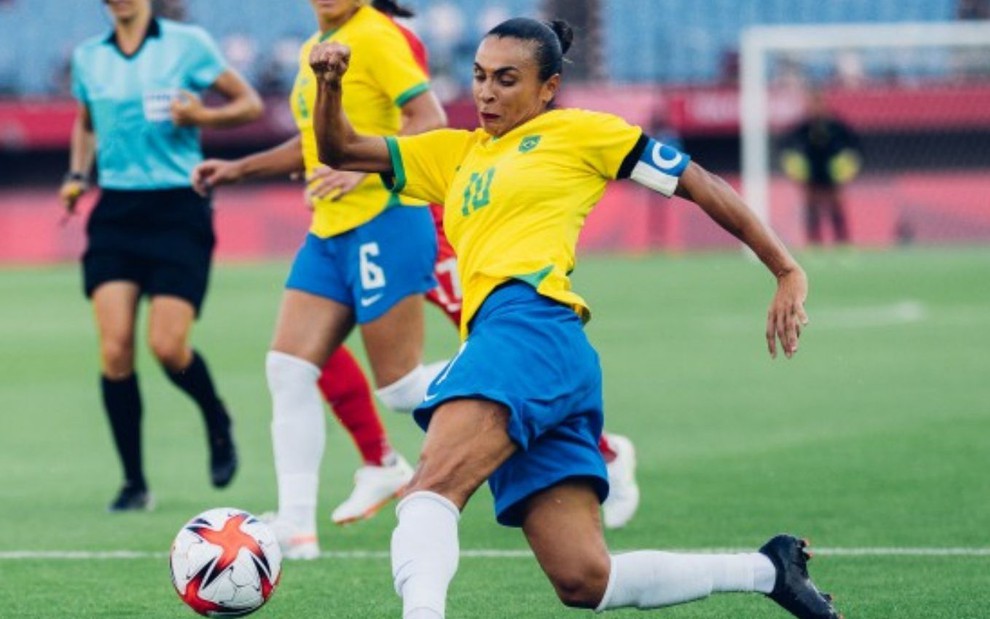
(425, 553)
(408, 392)
(651, 579)
(298, 435)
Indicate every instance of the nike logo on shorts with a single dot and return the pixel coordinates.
(367, 301)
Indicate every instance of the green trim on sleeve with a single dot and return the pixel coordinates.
(412, 93)
(534, 278)
(395, 181)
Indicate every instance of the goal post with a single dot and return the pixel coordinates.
(919, 66)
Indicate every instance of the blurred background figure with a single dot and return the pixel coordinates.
(823, 153)
(139, 117)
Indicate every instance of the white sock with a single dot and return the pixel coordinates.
(424, 553)
(298, 436)
(408, 392)
(652, 579)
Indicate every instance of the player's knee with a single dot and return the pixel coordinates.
(286, 372)
(117, 355)
(447, 475)
(581, 585)
(169, 350)
(408, 392)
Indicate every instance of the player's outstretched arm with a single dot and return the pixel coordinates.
(786, 315)
(341, 147)
(281, 160)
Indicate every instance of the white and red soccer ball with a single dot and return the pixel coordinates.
(225, 563)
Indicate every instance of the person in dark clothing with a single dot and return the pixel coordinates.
(823, 153)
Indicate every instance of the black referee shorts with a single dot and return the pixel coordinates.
(162, 240)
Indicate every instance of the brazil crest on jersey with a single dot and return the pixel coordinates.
(515, 205)
(383, 75)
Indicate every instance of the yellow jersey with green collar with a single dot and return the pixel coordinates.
(383, 75)
(514, 206)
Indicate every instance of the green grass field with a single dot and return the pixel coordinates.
(874, 441)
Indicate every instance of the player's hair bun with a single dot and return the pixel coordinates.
(564, 32)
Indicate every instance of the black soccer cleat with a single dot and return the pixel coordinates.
(132, 499)
(793, 589)
(223, 456)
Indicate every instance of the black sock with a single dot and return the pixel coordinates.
(196, 382)
(122, 401)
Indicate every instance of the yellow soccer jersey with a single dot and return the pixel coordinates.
(515, 205)
(383, 75)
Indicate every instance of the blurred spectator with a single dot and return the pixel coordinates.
(241, 51)
(279, 69)
(973, 9)
(823, 153)
(729, 67)
(849, 70)
(170, 9)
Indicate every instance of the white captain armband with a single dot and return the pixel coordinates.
(657, 165)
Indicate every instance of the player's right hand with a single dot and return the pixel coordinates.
(214, 172)
(70, 192)
(329, 61)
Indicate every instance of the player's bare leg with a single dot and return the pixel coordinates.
(466, 441)
(170, 321)
(115, 310)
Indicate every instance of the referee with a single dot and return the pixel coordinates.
(150, 234)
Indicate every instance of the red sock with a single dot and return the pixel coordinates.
(606, 448)
(347, 392)
(447, 294)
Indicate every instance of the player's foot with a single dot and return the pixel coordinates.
(623, 494)
(294, 542)
(793, 588)
(223, 456)
(374, 486)
(132, 499)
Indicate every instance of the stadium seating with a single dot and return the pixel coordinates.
(668, 41)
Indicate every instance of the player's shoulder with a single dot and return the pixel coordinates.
(92, 43)
(374, 27)
(190, 33)
(566, 118)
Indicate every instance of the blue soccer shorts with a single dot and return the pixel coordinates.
(531, 354)
(373, 266)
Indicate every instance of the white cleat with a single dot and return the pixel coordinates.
(374, 486)
(295, 543)
(623, 497)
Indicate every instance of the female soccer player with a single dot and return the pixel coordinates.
(520, 406)
(345, 388)
(368, 258)
(150, 234)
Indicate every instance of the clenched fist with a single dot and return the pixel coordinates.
(329, 61)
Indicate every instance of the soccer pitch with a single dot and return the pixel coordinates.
(874, 442)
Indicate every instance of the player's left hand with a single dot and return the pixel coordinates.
(187, 109)
(787, 317)
(326, 183)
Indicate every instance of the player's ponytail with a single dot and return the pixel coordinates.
(552, 39)
(393, 8)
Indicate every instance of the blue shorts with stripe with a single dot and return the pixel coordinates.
(530, 353)
(373, 266)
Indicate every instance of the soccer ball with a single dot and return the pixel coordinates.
(225, 563)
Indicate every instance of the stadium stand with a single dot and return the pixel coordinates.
(676, 41)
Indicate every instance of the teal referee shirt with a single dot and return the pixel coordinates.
(137, 145)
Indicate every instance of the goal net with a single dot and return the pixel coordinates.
(892, 121)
